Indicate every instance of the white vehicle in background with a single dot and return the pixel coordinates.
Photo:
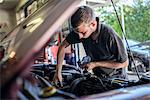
(141, 54)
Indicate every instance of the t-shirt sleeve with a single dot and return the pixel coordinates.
(117, 47)
(73, 38)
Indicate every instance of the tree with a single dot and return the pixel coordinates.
(137, 20)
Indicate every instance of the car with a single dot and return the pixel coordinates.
(22, 79)
(141, 55)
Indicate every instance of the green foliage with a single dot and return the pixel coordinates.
(137, 21)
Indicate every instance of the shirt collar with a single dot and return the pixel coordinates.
(95, 34)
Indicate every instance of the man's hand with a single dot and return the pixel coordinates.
(89, 66)
(58, 79)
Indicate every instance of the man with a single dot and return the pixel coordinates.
(100, 43)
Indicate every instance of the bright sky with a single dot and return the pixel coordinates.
(128, 2)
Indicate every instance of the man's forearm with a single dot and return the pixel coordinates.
(60, 58)
(111, 64)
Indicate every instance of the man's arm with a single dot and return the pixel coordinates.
(60, 55)
(60, 58)
(106, 64)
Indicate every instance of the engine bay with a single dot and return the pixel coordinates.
(75, 84)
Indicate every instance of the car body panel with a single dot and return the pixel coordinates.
(26, 44)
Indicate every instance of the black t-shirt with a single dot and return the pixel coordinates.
(102, 45)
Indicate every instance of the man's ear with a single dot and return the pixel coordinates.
(93, 24)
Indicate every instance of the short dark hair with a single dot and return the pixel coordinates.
(83, 14)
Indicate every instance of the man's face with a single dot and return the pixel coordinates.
(84, 30)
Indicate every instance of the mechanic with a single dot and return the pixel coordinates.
(101, 43)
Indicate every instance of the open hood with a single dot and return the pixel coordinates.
(24, 42)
